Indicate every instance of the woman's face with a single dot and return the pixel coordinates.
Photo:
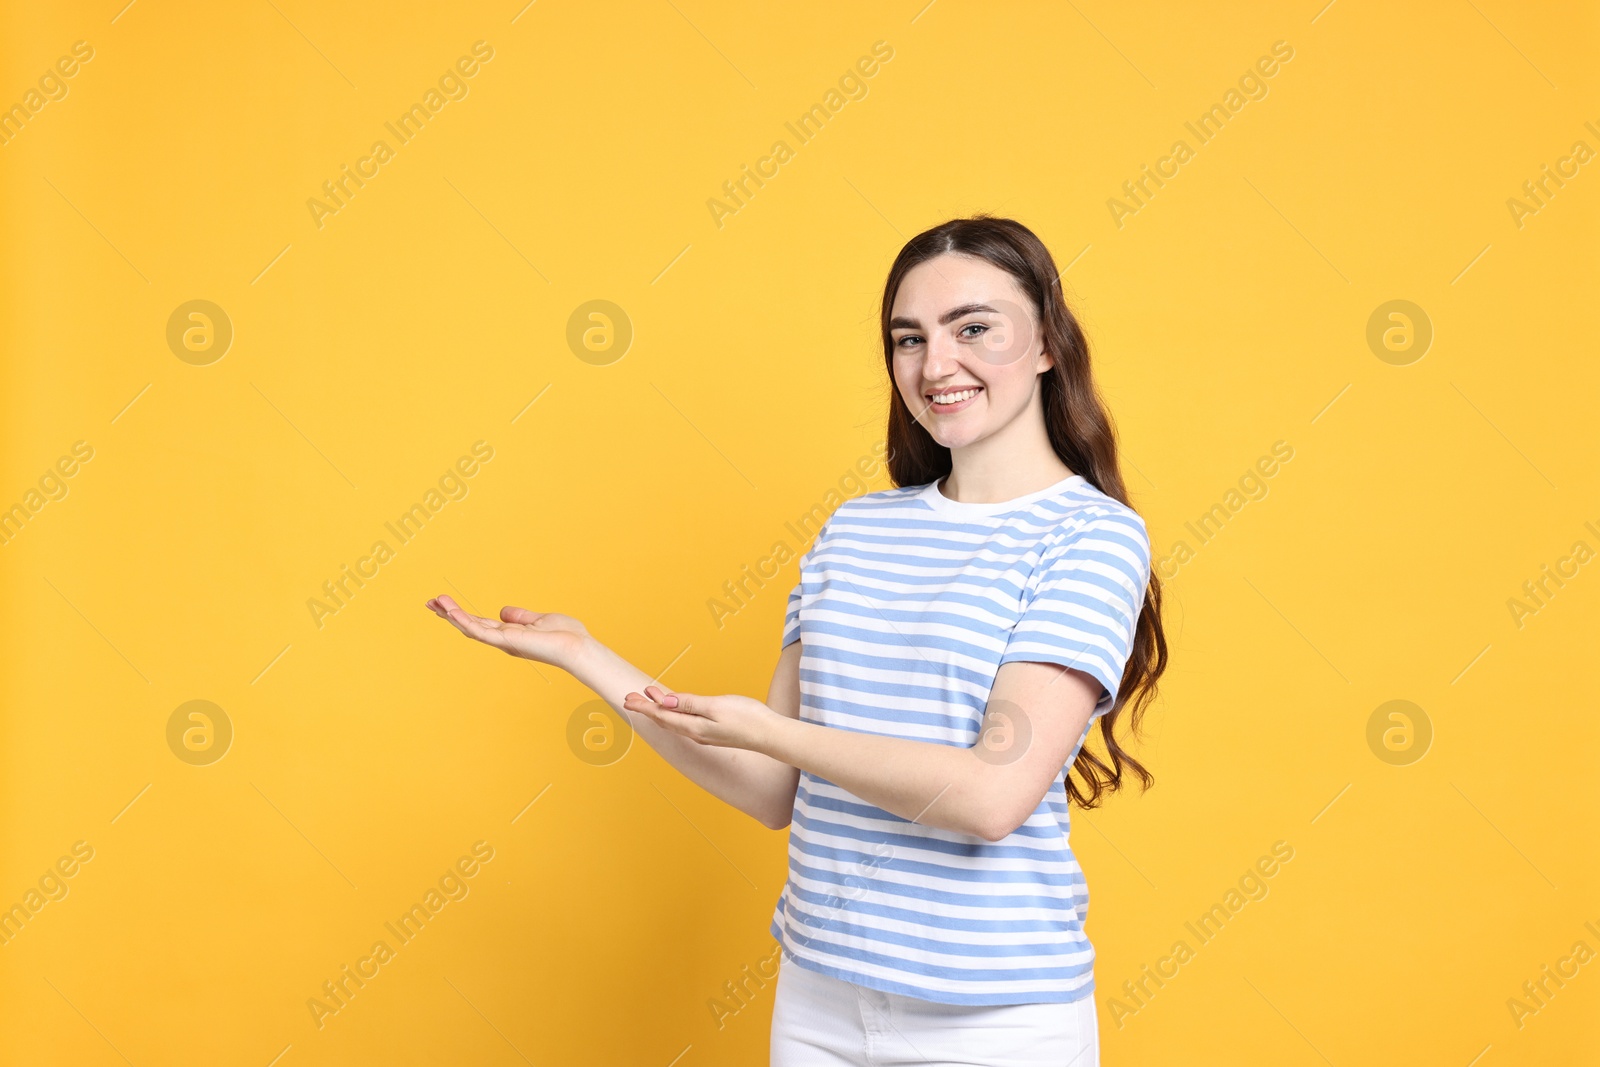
(967, 348)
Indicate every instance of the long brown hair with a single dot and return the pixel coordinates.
(1081, 433)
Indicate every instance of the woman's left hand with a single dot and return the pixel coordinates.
(729, 721)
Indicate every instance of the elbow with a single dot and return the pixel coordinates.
(779, 810)
(997, 826)
(778, 817)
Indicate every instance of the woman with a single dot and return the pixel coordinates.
(945, 652)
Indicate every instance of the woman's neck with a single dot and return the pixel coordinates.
(1014, 462)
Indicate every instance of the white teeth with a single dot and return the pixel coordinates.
(955, 398)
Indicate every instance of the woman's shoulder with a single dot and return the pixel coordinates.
(878, 502)
(1086, 511)
(1106, 533)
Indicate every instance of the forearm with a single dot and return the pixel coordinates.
(927, 783)
(754, 783)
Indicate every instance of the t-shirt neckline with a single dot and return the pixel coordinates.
(941, 503)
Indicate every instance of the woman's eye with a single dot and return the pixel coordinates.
(910, 337)
(980, 327)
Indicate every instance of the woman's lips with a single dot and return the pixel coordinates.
(968, 395)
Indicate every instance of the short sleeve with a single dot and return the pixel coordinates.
(1083, 602)
(791, 613)
(791, 616)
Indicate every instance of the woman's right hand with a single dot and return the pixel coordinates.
(542, 636)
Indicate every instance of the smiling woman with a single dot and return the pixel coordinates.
(945, 653)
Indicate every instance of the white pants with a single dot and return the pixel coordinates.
(822, 1021)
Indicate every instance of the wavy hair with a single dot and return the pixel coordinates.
(1080, 431)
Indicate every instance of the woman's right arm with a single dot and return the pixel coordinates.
(757, 785)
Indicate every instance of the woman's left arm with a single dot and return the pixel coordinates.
(1035, 715)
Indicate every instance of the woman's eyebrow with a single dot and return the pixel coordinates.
(902, 322)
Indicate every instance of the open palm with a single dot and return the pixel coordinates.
(542, 636)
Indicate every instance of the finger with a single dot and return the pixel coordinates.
(483, 620)
(667, 720)
(450, 605)
(641, 703)
(441, 606)
(679, 723)
(521, 615)
(660, 694)
(477, 628)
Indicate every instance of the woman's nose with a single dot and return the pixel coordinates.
(938, 359)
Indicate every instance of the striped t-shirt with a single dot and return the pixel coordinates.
(907, 605)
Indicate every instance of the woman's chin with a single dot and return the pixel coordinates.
(952, 437)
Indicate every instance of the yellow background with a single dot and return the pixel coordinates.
(369, 754)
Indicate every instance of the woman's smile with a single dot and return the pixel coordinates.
(952, 400)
